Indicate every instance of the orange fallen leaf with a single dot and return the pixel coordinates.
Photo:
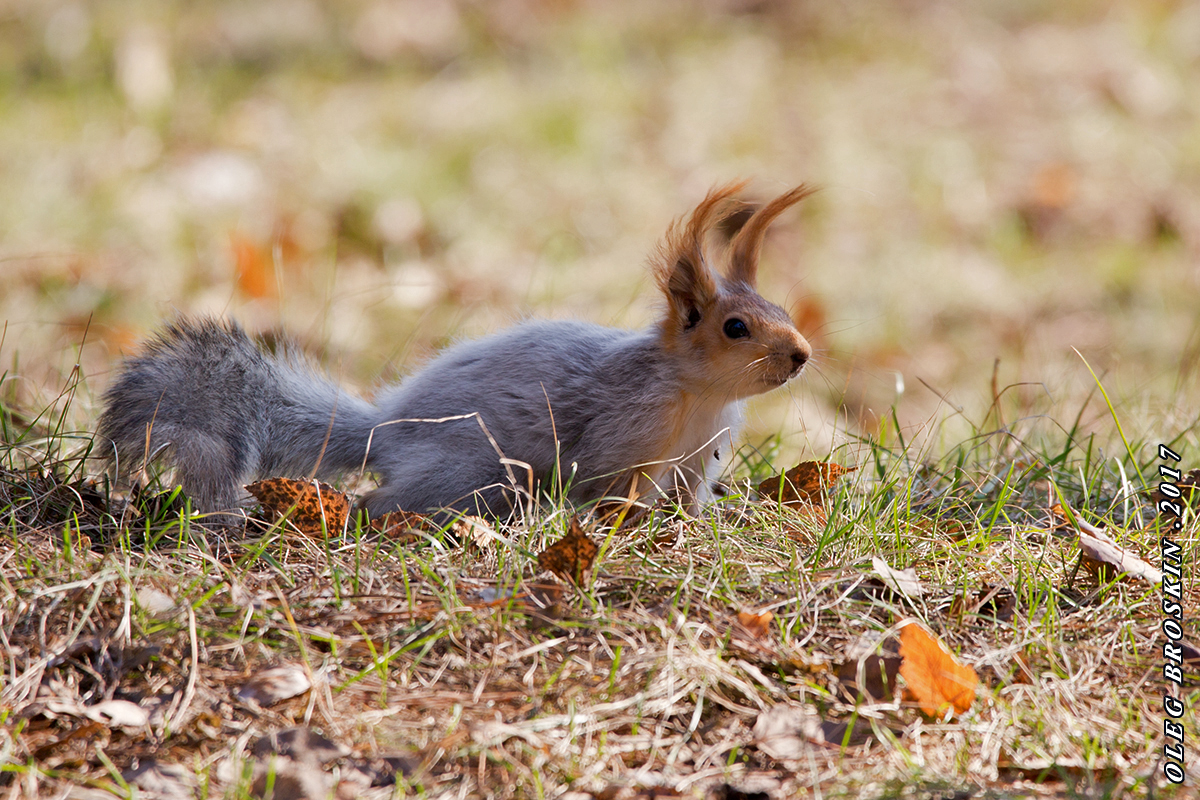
(759, 625)
(934, 677)
(571, 557)
(806, 484)
(254, 265)
(313, 507)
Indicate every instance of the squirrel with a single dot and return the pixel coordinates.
(601, 412)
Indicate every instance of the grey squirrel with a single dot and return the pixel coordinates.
(601, 411)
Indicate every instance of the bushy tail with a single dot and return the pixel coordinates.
(225, 413)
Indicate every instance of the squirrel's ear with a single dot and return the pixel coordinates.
(747, 244)
(690, 290)
(681, 267)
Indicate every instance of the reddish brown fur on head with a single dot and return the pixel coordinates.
(728, 338)
(681, 267)
(747, 244)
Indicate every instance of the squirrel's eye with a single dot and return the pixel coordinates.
(736, 329)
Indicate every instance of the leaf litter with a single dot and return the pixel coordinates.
(364, 663)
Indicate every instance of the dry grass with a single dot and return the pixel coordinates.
(464, 673)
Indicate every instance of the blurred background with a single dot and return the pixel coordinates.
(1004, 179)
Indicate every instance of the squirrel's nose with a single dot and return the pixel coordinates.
(800, 355)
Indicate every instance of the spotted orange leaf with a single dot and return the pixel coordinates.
(806, 484)
(934, 677)
(311, 506)
(571, 557)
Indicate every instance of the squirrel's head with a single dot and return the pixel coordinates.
(727, 339)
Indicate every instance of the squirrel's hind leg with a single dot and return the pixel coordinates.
(207, 467)
(429, 476)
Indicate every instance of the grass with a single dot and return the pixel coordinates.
(477, 676)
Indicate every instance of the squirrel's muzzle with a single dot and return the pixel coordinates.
(800, 356)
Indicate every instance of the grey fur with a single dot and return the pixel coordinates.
(231, 413)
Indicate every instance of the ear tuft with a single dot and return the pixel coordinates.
(746, 246)
(681, 269)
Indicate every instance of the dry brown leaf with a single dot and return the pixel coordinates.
(871, 678)
(313, 507)
(934, 677)
(476, 531)
(759, 625)
(1102, 555)
(904, 581)
(273, 685)
(1188, 485)
(806, 484)
(571, 557)
(403, 526)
